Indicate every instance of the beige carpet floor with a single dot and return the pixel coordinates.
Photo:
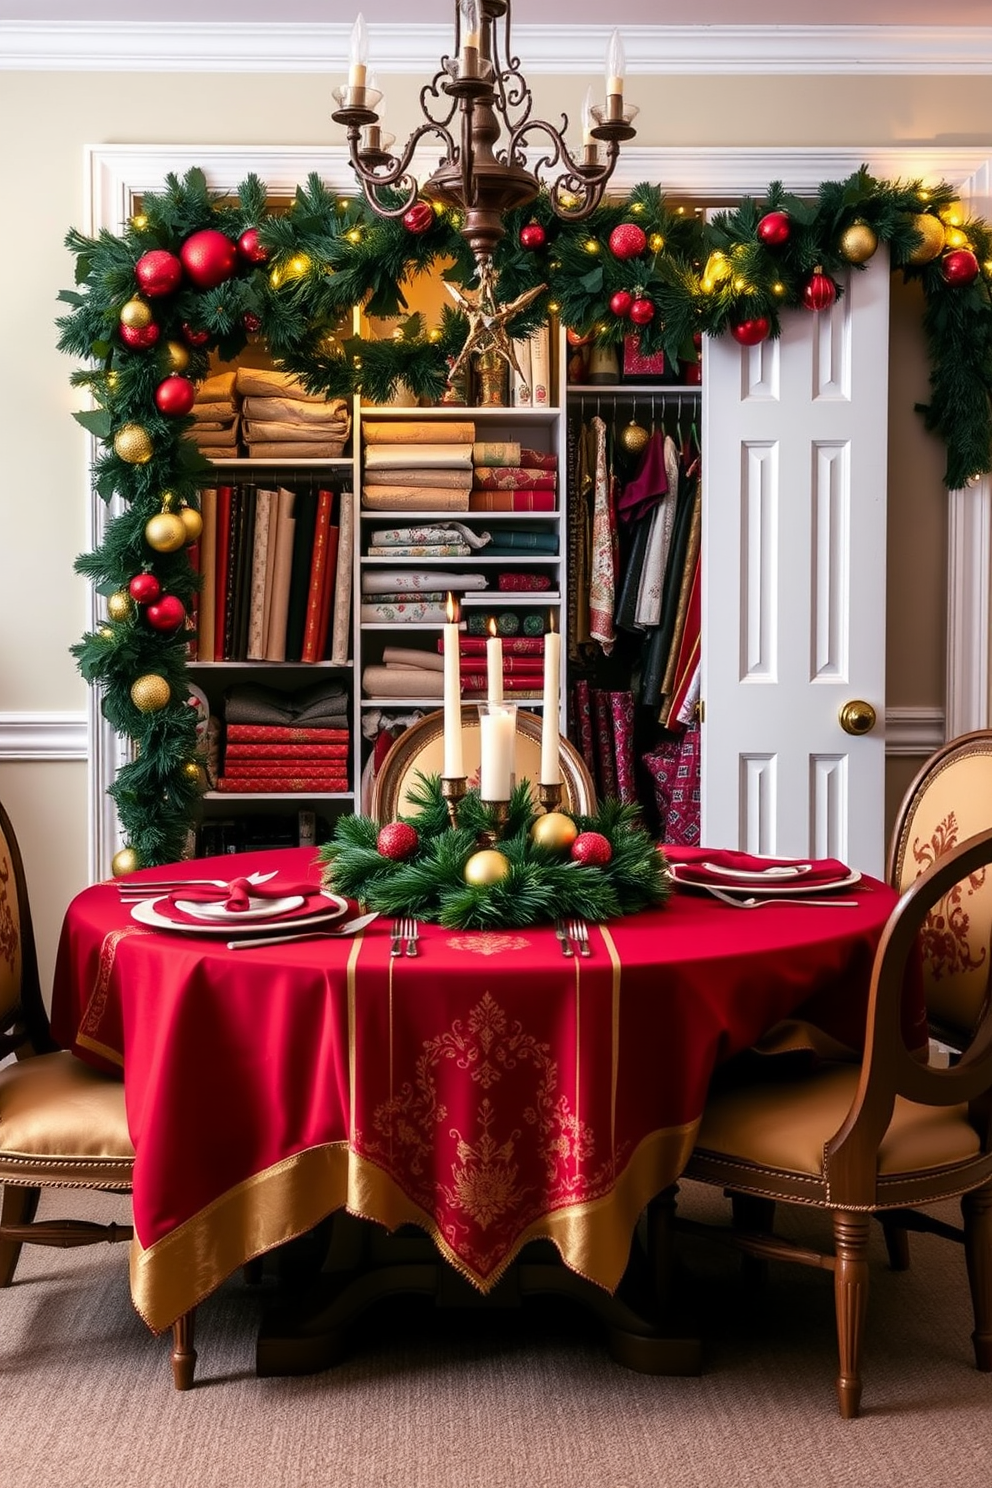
(483, 1401)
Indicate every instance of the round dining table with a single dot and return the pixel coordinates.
(491, 1087)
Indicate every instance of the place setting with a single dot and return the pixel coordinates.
(753, 881)
(253, 906)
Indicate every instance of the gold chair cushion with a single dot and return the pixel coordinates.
(56, 1111)
(786, 1126)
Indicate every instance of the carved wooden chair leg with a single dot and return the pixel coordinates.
(850, 1303)
(896, 1243)
(751, 1212)
(183, 1352)
(18, 1206)
(976, 1207)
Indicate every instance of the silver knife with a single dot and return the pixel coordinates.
(350, 927)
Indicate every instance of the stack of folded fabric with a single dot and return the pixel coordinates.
(405, 673)
(215, 410)
(286, 741)
(281, 420)
(523, 666)
(507, 477)
(395, 596)
(427, 540)
(417, 466)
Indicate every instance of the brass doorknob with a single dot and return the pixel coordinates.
(857, 717)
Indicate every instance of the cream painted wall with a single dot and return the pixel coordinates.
(45, 121)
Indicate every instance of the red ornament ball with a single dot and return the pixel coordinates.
(144, 588)
(959, 266)
(419, 218)
(167, 613)
(592, 849)
(175, 395)
(251, 322)
(158, 272)
(209, 258)
(621, 302)
(139, 338)
(250, 248)
(194, 337)
(532, 235)
(397, 840)
(750, 332)
(628, 240)
(774, 229)
(820, 292)
(642, 312)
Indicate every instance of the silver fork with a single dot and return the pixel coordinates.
(566, 949)
(412, 933)
(579, 931)
(396, 933)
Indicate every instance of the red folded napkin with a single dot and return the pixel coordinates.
(693, 869)
(238, 894)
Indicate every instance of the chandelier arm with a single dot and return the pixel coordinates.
(397, 176)
(431, 91)
(580, 180)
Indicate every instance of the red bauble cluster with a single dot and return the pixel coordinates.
(750, 332)
(208, 258)
(592, 849)
(250, 248)
(144, 588)
(621, 302)
(194, 336)
(532, 236)
(419, 218)
(642, 312)
(820, 292)
(175, 396)
(628, 240)
(158, 272)
(166, 613)
(139, 338)
(774, 229)
(397, 840)
(959, 267)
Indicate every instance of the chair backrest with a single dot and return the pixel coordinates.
(950, 799)
(889, 1068)
(23, 1020)
(420, 748)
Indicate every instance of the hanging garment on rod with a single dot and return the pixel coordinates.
(602, 587)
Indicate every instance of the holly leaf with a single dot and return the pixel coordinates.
(593, 281)
(95, 420)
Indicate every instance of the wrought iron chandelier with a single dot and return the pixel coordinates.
(481, 83)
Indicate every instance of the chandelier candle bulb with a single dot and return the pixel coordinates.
(468, 56)
(358, 56)
(494, 668)
(453, 762)
(550, 766)
(616, 66)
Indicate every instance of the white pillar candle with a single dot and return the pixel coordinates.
(453, 762)
(550, 765)
(497, 748)
(494, 665)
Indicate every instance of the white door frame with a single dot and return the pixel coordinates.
(117, 174)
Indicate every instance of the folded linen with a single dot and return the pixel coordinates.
(260, 382)
(220, 388)
(448, 456)
(416, 612)
(400, 656)
(271, 449)
(225, 439)
(335, 409)
(414, 498)
(423, 550)
(214, 411)
(436, 532)
(723, 868)
(409, 580)
(460, 480)
(419, 431)
(261, 429)
(402, 681)
(307, 706)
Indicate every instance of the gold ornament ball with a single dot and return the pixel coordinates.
(150, 692)
(133, 443)
(486, 867)
(166, 532)
(105, 633)
(192, 772)
(120, 606)
(555, 830)
(124, 862)
(634, 438)
(176, 356)
(933, 238)
(136, 314)
(858, 243)
(192, 523)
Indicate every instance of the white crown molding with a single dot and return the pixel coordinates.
(225, 47)
(43, 736)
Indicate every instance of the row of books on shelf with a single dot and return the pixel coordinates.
(275, 568)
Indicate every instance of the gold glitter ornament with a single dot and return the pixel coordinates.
(136, 314)
(120, 606)
(555, 830)
(150, 692)
(858, 242)
(192, 523)
(132, 443)
(486, 867)
(932, 230)
(166, 532)
(192, 772)
(176, 356)
(124, 862)
(634, 437)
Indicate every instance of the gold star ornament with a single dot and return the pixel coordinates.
(487, 319)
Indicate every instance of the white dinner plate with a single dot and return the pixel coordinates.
(258, 909)
(760, 875)
(792, 888)
(333, 908)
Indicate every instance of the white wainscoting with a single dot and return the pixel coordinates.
(43, 736)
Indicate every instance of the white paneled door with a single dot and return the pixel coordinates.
(793, 621)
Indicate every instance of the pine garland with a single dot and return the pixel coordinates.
(539, 887)
(329, 253)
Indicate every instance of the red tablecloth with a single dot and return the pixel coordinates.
(488, 1089)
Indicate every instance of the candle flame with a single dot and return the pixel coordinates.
(492, 625)
(551, 621)
(452, 609)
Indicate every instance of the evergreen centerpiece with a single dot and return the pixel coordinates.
(541, 883)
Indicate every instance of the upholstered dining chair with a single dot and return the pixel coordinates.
(420, 749)
(62, 1124)
(887, 1135)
